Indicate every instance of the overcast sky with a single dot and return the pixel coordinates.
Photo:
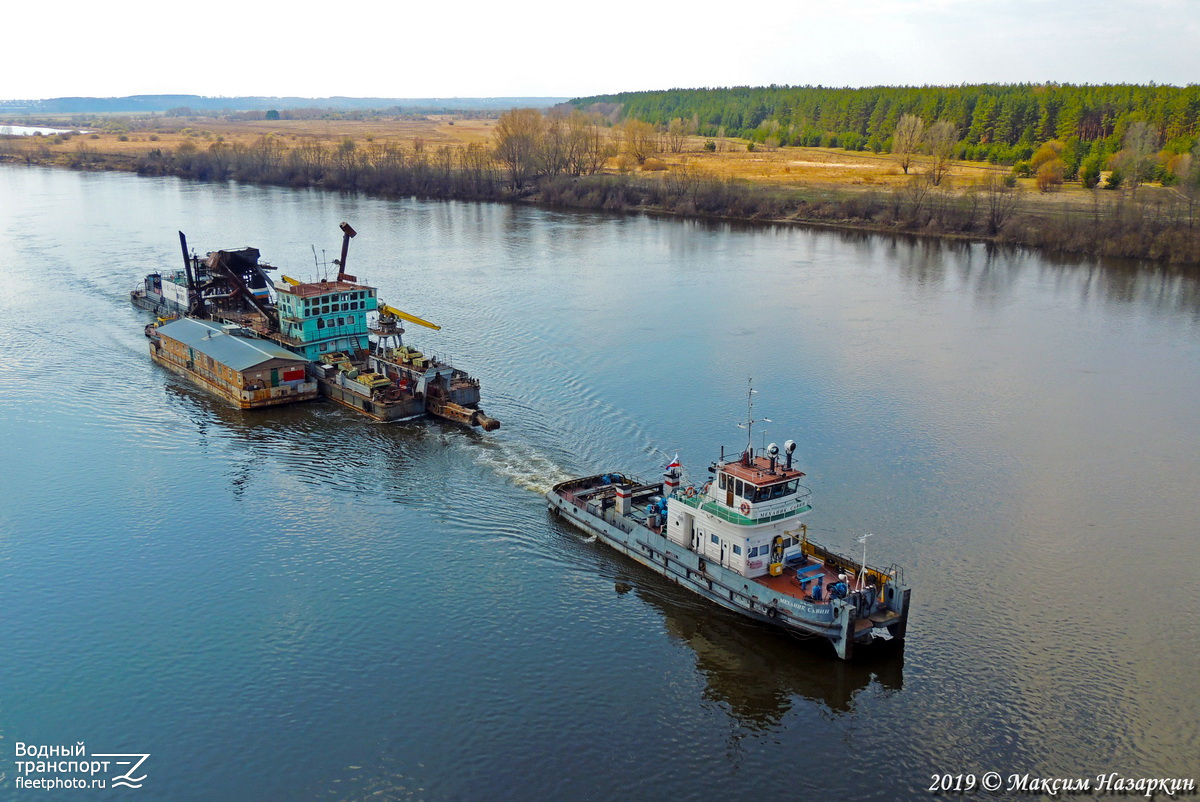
(568, 49)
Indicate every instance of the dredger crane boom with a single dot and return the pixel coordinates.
(394, 312)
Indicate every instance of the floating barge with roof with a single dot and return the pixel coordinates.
(360, 364)
(232, 363)
(738, 542)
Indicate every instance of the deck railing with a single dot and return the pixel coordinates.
(734, 517)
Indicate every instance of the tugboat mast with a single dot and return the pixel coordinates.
(750, 421)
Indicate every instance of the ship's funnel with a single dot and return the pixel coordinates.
(623, 498)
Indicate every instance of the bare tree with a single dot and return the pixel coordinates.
(941, 139)
(476, 163)
(1001, 201)
(677, 131)
(639, 140)
(1188, 171)
(518, 136)
(554, 155)
(1139, 154)
(588, 144)
(267, 152)
(912, 197)
(907, 139)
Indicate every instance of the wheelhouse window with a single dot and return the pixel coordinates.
(714, 539)
(780, 490)
(721, 481)
(737, 550)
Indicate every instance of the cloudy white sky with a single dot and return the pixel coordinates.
(562, 48)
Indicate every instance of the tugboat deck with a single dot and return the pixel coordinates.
(788, 583)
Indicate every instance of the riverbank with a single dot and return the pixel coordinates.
(445, 157)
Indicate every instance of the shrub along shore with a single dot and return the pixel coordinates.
(1157, 226)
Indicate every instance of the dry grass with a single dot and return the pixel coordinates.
(202, 132)
(836, 171)
(822, 170)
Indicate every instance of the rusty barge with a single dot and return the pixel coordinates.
(350, 342)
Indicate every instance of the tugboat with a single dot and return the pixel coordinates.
(163, 293)
(738, 542)
(325, 323)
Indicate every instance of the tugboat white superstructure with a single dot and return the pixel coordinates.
(738, 542)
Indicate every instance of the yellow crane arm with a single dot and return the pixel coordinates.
(290, 280)
(394, 312)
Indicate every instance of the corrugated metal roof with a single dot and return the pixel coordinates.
(239, 353)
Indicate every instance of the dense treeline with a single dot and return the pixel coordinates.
(1001, 123)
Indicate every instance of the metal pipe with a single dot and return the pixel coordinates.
(347, 233)
(194, 297)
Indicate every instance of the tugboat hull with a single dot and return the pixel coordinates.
(846, 623)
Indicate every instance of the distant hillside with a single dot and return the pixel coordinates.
(147, 104)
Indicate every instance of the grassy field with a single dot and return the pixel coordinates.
(816, 168)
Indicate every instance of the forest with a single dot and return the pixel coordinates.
(998, 123)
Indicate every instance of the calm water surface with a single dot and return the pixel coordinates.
(300, 604)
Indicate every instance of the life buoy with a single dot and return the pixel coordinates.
(745, 508)
(691, 491)
(707, 485)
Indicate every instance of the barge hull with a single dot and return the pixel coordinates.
(162, 308)
(382, 411)
(272, 397)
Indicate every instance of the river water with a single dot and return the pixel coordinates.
(301, 604)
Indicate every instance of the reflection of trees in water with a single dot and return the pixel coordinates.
(759, 672)
(993, 272)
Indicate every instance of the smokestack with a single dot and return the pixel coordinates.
(670, 481)
(623, 499)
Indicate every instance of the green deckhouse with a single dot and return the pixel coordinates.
(325, 316)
